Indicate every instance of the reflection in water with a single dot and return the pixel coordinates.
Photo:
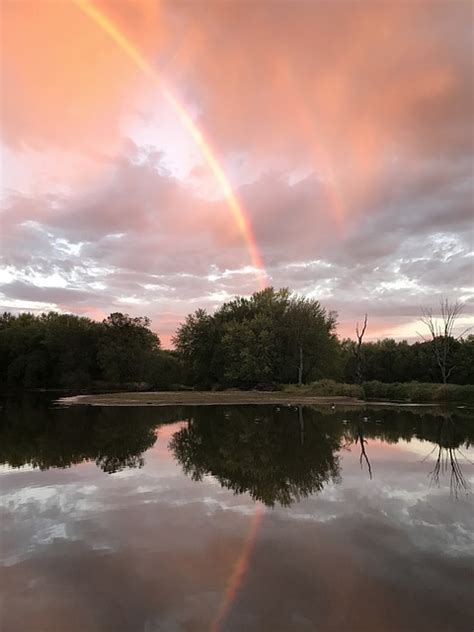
(42, 437)
(238, 573)
(362, 441)
(260, 451)
(447, 461)
(284, 455)
(276, 454)
(151, 550)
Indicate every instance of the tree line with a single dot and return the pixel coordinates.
(270, 338)
(73, 352)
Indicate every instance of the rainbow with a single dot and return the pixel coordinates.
(238, 213)
(238, 573)
(306, 120)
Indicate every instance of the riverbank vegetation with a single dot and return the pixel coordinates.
(272, 340)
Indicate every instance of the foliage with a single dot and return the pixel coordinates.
(65, 351)
(328, 388)
(271, 337)
(419, 392)
(390, 361)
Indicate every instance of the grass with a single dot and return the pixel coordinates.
(415, 392)
(327, 388)
(323, 392)
(419, 392)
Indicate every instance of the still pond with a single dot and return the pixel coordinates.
(235, 518)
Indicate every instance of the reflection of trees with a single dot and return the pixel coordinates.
(356, 436)
(447, 451)
(277, 456)
(113, 438)
(362, 441)
(446, 432)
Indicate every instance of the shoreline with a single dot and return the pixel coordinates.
(210, 398)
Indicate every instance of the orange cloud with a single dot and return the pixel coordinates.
(64, 85)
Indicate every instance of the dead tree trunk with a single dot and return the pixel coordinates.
(357, 352)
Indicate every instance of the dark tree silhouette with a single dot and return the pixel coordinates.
(357, 351)
(441, 333)
(275, 456)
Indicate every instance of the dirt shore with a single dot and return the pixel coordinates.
(207, 398)
(196, 398)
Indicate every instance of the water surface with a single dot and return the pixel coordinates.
(235, 518)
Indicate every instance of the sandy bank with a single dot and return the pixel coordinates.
(207, 398)
(196, 398)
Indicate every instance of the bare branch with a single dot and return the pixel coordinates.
(441, 334)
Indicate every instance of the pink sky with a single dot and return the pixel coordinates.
(343, 129)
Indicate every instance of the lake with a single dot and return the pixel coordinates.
(235, 518)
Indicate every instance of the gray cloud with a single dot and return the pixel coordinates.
(145, 243)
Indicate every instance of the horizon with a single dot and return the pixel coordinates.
(159, 158)
(459, 328)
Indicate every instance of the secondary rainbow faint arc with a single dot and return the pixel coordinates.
(238, 213)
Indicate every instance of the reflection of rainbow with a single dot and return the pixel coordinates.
(240, 568)
(240, 218)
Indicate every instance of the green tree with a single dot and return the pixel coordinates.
(310, 341)
(196, 342)
(125, 348)
(269, 337)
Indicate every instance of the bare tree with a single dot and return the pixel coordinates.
(441, 335)
(357, 351)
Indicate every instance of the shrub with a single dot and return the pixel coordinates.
(416, 392)
(327, 388)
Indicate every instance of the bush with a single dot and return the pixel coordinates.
(327, 388)
(418, 392)
(415, 392)
(454, 393)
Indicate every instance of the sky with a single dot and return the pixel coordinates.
(158, 157)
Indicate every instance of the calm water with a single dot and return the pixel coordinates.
(236, 519)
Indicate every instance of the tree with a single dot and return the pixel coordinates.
(311, 341)
(464, 361)
(441, 333)
(270, 337)
(196, 342)
(126, 347)
(54, 350)
(358, 352)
